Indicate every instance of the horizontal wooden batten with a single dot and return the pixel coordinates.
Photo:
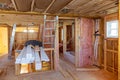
(22, 19)
(37, 13)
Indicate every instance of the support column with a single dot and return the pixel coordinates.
(77, 42)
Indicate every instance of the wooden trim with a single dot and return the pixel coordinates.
(14, 4)
(49, 6)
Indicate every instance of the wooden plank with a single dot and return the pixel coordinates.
(64, 39)
(119, 44)
(90, 2)
(76, 3)
(110, 17)
(103, 8)
(14, 4)
(32, 5)
(112, 51)
(77, 41)
(99, 6)
(20, 19)
(56, 52)
(49, 6)
(92, 6)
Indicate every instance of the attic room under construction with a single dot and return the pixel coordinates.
(59, 40)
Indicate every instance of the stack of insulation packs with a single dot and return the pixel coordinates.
(29, 55)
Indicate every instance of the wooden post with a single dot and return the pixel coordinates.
(64, 38)
(119, 44)
(77, 41)
(56, 54)
(105, 58)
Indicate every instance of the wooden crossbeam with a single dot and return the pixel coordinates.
(49, 6)
(15, 6)
(32, 5)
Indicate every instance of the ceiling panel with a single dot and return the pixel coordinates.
(81, 7)
(23, 5)
(42, 4)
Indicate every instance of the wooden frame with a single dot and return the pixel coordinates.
(112, 52)
(77, 38)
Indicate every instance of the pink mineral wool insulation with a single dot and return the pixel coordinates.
(86, 47)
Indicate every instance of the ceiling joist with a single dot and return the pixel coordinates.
(49, 6)
(32, 5)
(14, 4)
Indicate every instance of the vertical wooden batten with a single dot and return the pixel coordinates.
(119, 43)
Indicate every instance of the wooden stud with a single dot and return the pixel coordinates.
(56, 52)
(77, 41)
(64, 39)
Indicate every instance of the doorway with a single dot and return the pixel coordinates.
(67, 39)
(3, 40)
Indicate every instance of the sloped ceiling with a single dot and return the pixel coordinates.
(91, 8)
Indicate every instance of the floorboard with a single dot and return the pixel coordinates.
(66, 71)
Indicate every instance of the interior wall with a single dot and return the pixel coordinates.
(110, 48)
(101, 42)
(86, 42)
(22, 35)
(3, 40)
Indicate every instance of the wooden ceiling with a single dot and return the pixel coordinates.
(88, 8)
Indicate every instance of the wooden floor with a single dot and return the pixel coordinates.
(66, 72)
